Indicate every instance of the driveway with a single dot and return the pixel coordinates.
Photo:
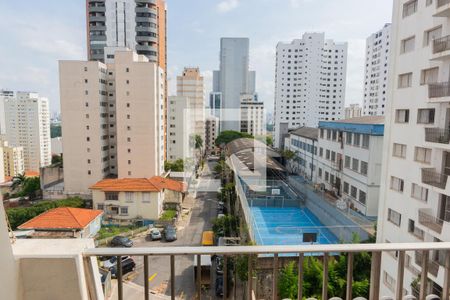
(204, 209)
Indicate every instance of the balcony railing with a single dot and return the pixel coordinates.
(433, 266)
(427, 219)
(437, 135)
(441, 44)
(442, 3)
(297, 253)
(431, 177)
(439, 90)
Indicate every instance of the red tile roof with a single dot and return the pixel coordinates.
(154, 184)
(62, 218)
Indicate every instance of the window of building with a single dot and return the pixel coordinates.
(397, 184)
(100, 206)
(334, 135)
(389, 281)
(422, 155)
(348, 138)
(362, 197)
(320, 172)
(399, 150)
(327, 154)
(355, 164)
(409, 8)
(124, 210)
(425, 116)
(353, 192)
(431, 35)
(394, 217)
(419, 233)
(407, 45)
(402, 116)
(129, 196)
(428, 76)
(365, 141)
(428, 2)
(111, 195)
(346, 187)
(146, 197)
(331, 179)
(333, 156)
(364, 168)
(419, 193)
(356, 139)
(327, 175)
(321, 152)
(404, 80)
(347, 162)
(321, 132)
(328, 134)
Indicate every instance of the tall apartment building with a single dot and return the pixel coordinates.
(190, 84)
(233, 79)
(310, 80)
(139, 25)
(13, 160)
(353, 111)
(252, 115)
(212, 131)
(376, 71)
(113, 120)
(415, 193)
(4, 94)
(28, 125)
(181, 126)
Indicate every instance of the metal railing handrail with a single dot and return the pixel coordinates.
(441, 44)
(439, 89)
(237, 250)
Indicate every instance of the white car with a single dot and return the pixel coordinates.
(155, 234)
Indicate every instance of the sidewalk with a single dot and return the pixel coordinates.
(132, 291)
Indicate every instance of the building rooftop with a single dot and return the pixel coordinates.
(363, 120)
(62, 218)
(307, 132)
(154, 184)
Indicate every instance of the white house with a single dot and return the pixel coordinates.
(303, 142)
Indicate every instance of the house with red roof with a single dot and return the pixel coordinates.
(127, 199)
(64, 222)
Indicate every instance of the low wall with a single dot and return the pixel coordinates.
(337, 222)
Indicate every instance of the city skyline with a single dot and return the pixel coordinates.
(30, 58)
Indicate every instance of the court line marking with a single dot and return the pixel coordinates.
(152, 277)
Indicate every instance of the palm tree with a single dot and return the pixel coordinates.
(18, 181)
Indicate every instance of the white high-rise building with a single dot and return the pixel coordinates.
(376, 71)
(233, 79)
(28, 126)
(310, 80)
(252, 115)
(113, 120)
(4, 94)
(415, 191)
(353, 111)
(190, 84)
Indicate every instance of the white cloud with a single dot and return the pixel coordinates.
(227, 5)
(297, 3)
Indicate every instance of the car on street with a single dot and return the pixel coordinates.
(121, 241)
(170, 233)
(155, 234)
(219, 286)
(108, 264)
(128, 265)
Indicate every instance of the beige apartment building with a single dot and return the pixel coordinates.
(190, 84)
(113, 120)
(252, 115)
(212, 131)
(13, 160)
(181, 127)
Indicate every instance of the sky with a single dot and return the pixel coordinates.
(36, 34)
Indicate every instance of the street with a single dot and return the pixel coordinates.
(203, 210)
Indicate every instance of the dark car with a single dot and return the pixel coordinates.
(170, 233)
(128, 265)
(121, 241)
(219, 286)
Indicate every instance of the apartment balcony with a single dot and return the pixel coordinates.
(97, 37)
(437, 138)
(427, 219)
(97, 9)
(441, 48)
(146, 1)
(145, 9)
(97, 27)
(433, 266)
(442, 8)
(145, 38)
(431, 177)
(97, 19)
(146, 48)
(146, 29)
(439, 92)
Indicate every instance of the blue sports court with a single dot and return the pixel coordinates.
(288, 226)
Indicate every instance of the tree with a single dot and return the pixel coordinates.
(287, 154)
(55, 130)
(230, 135)
(175, 166)
(56, 159)
(198, 142)
(288, 283)
(18, 181)
(30, 187)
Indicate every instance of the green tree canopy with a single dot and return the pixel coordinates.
(175, 166)
(230, 135)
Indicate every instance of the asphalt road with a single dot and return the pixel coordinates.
(203, 211)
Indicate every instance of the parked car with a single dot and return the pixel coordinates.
(219, 286)
(108, 264)
(128, 265)
(155, 234)
(121, 241)
(220, 216)
(170, 233)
